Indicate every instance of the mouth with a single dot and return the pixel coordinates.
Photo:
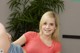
(47, 30)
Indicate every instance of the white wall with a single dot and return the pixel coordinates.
(69, 23)
(4, 11)
(70, 18)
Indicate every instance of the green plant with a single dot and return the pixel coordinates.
(25, 14)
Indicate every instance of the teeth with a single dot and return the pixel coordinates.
(47, 30)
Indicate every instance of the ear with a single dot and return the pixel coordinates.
(9, 36)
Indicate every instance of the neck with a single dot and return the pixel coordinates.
(46, 37)
(46, 40)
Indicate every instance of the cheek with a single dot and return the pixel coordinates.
(42, 28)
(53, 28)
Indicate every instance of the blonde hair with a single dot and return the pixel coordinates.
(51, 14)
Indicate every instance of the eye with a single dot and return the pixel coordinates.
(45, 23)
(51, 24)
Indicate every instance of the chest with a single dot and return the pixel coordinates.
(35, 45)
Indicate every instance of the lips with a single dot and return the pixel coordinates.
(47, 30)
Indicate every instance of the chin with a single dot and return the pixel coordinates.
(47, 34)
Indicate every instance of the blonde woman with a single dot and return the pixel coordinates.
(46, 41)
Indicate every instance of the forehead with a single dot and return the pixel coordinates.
(48, 19)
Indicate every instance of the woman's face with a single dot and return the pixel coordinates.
(48, 25)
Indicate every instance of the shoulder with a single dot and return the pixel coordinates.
(57, 44)
(30, 34)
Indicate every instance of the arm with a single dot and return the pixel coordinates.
(20, 41)
(58, 52)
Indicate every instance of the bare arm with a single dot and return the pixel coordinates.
(58, 52)
(20, 41)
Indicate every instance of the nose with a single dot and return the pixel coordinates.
(47, 26)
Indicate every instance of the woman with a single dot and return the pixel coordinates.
(46, 41)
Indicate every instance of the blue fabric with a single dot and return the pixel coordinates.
(15, 49)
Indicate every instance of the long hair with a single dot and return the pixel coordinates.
(54, 15)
